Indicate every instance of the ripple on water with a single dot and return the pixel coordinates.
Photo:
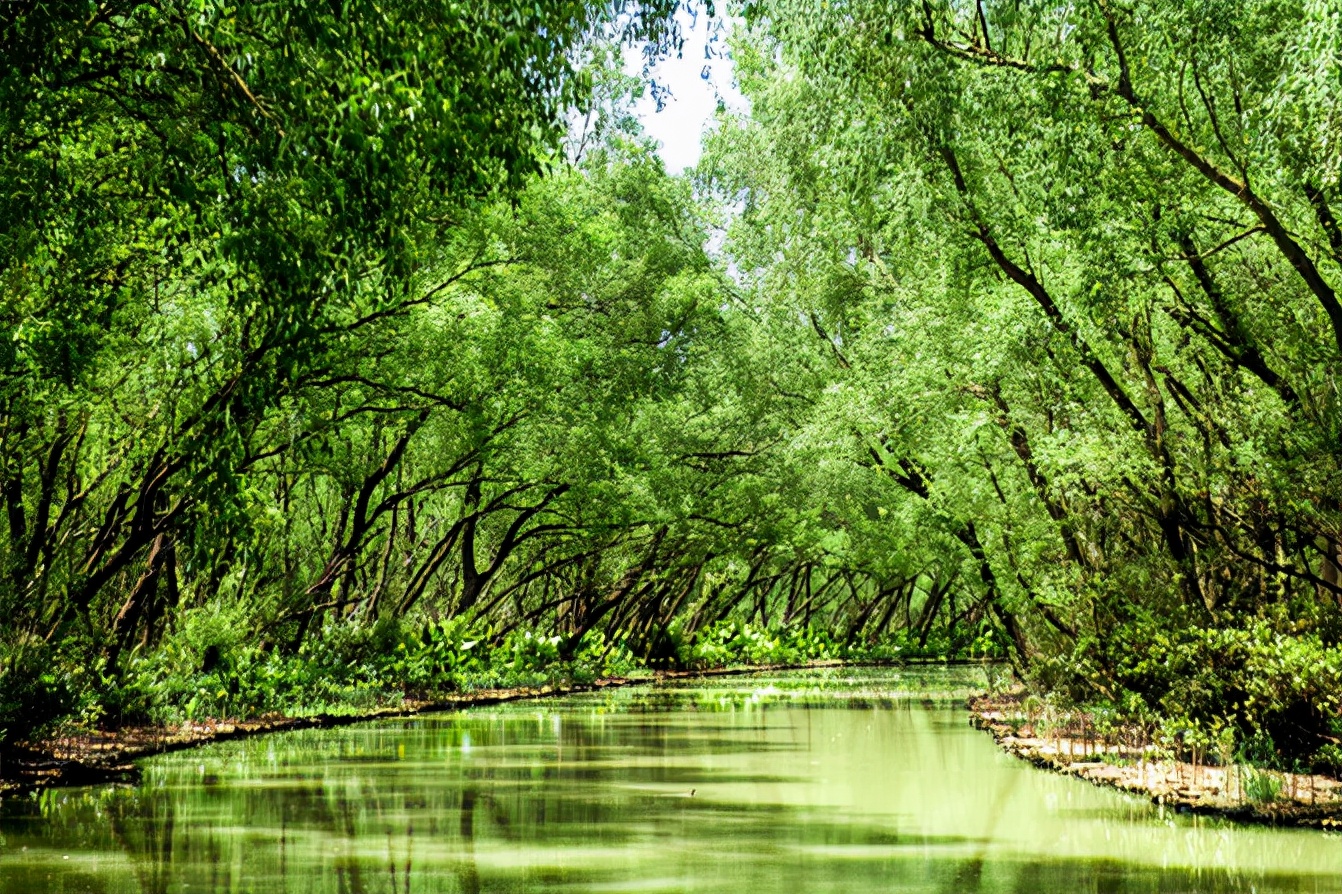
(845, 779)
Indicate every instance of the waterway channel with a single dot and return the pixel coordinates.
(852, 780)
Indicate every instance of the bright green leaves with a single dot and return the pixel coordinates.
(1046, 303)
(205, 208)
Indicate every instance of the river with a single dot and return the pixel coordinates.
(849, 780)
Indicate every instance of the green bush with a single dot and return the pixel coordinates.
(440, 657)
(730, 642)
(1259, 786)
(36, 689)
(596, 656)
(213, 664)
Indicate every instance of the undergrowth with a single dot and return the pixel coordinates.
(212, 666)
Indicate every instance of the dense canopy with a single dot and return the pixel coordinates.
(344, 347)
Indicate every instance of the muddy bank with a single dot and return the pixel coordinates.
(91, 757)
(1237, 793)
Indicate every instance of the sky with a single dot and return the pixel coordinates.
(697, 79)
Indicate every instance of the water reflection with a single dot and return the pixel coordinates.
(833, 781)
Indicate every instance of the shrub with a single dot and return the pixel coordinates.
(35, 689)
(1259, 786)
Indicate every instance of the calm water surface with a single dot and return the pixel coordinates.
(845, 780)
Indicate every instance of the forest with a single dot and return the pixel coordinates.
(351, 351)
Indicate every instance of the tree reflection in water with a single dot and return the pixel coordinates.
(842, 781)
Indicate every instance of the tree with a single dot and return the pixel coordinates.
(202, 205)
(1076, 268)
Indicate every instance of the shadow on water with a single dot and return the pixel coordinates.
(739, 786)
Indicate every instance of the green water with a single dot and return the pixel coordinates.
(847, 780)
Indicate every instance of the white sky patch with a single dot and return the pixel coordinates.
(698, 79)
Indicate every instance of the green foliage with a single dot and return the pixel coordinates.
(324, 382)
(215, 221)
(729, 643)
(1259, 786)
(35, 689)
(1035, 267)
(210, 668)
(435, 659)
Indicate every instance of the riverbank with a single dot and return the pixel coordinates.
(1121, 760)
(92, 757)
